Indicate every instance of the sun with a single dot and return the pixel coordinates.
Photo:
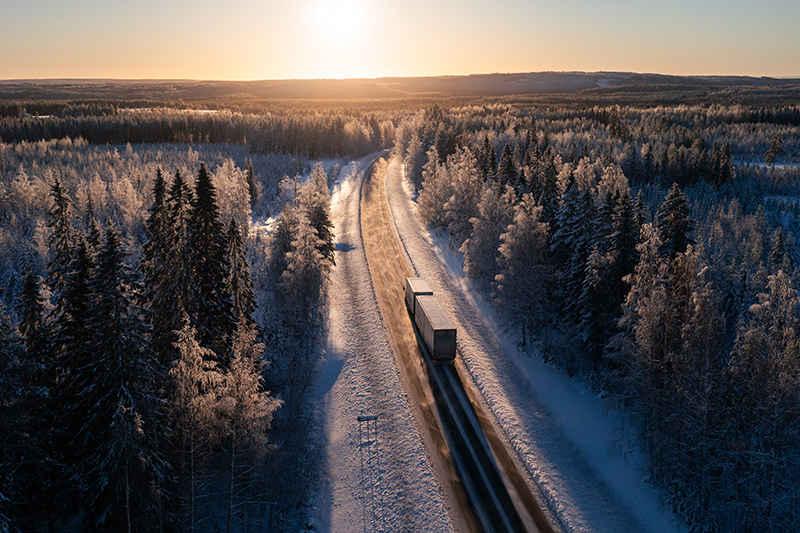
(340, 21)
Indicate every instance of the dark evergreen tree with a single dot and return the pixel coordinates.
(169, 282)
(487, 159)
(159, 259)
(113, 418)
(281, 242)
(62, 237)
(36, 489)
(252, 186)
(594, 306)
(571, 244)
(318, 206)
(775, 149)
(624, 239)
(240, 286)
(72, 334)
(32, 327)
(211, 309)
(674, 223)
(506, 171)
(777, 252)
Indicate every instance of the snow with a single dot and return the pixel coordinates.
(381, 481)
(562, 434)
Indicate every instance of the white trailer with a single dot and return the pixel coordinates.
(437, 329)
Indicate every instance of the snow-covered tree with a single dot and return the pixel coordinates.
(240, 285)
(302, 281)
(316, 200)
(210, 309)
(466, 187)
(765, 412)
(521, 283)
(674, 223)
(436, 191)
(244, 413)
(480, 250)
(62, 237)
(195, 379)
(114, 416)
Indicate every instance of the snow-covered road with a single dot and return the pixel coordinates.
(559, 432)
(381, 481)
(386, 481)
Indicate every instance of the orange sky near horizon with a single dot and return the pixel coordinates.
(253, 40)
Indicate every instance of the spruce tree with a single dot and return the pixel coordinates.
(521, 282)
(480, 250)
(211, 309)
(506, 171)
(62, 237)
(159, 257)
(71, 325)
(169, 280)
(674, 223)
(34, 330)
(317, 200)
(240, 286)
(113, 419)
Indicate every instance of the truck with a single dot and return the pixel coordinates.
(435, 326)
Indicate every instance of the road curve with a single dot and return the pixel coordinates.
(489, 500)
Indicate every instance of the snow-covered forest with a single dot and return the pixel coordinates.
(157, 349)
(650, 253)
(158, 345)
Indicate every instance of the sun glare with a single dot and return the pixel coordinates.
(340, 21)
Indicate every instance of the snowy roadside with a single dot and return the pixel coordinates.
(379, 476)
(560, 431)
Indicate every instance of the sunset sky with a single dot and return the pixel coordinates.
(270, 39)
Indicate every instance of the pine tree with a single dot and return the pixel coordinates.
(210, 309)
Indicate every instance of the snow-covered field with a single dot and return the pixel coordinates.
(561, 433)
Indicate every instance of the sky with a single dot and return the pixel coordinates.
(311, 39)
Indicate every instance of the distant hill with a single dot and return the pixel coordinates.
(489, 85)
